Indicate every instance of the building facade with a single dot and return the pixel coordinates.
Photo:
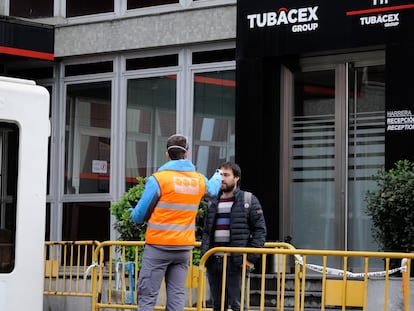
(331, 87)
(123, 76)
(308, 114)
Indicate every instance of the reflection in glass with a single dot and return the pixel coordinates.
(366, 151)
(313, 161)
(87, 139)
(151, 119)
(321, 216)
(214, 115)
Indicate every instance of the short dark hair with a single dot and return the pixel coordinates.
(234, 167)
(177, 146)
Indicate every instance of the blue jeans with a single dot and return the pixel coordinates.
(233, 283)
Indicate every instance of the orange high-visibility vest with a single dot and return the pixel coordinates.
(173, 220)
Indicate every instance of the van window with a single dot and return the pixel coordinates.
(9, 151)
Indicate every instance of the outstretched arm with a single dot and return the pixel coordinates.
(213, 184)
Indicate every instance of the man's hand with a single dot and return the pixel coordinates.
(249, 265)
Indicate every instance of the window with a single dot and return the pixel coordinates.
(89, 68)
(49, 88)
(214, 119)
(86, 221)
(153, 100)
(151, 119)
(9, 150)
(87, 138)
(136, 4)
(205, 57)
(152, 62)
(31, 8)
(81, 7)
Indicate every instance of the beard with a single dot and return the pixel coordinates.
(227, 187)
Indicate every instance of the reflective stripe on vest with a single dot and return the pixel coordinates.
(173, 219)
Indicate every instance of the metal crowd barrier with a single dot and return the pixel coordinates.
(117, 288)
(65, 265)
(285, 278)
(366, 289)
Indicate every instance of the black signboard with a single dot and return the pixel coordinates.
(272, 34)
(274, 27)
(27, 39)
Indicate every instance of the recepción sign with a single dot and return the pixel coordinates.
(400, 120)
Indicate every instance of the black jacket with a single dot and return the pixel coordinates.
(247, 226)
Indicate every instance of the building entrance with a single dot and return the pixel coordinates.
(334, 132)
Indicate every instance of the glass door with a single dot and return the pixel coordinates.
(334, 143)
(365, 152)
(312, 162)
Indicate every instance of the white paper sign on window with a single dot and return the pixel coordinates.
(99, 166)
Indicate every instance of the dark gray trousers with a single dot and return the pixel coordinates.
(157, 264)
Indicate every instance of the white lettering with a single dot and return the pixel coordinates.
(292, 16)
(261, 20)
(399, 113)
(303, 16)
(271, 19)
(312, 13)
(400, 120)
(387, 20)
(305, 27)
(251, 19)
(285, 17)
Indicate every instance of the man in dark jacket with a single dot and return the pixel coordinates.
(230, 221)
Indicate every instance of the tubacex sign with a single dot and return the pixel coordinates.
(281, 27)
(301, 19)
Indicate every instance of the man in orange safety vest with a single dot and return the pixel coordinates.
(169, 204)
